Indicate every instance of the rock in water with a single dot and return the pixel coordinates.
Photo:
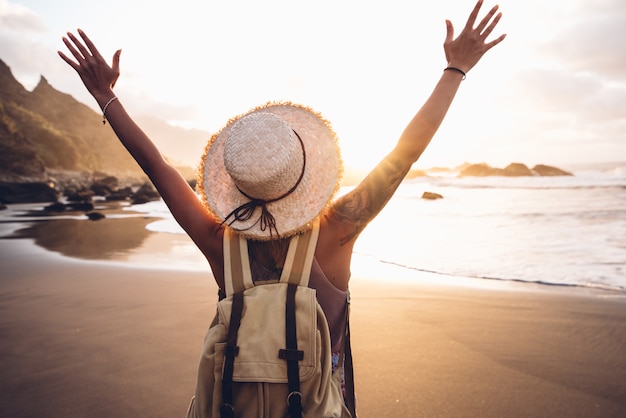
(431, 196)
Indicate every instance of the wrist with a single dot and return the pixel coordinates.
(102, 97)
(104, 109)
(456, 70)
(460, 64)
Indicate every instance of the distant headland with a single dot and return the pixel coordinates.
(511, 170)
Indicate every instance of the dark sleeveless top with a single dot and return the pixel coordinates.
(332, 300)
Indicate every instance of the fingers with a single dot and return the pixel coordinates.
(115, 65)
(495, 42)
(471, 44)
(92, 48)
(491, 27)
(483, 23)
(472, 17)
(449, 37)
(84, 53)
(449, 31)
(69, 61)
(73, 50)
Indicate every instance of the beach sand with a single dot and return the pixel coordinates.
(100, 339)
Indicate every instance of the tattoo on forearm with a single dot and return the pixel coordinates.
(361, 205)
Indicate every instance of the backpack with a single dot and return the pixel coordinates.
(268, 351)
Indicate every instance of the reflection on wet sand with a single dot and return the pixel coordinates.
(122, 235)
(100, 240)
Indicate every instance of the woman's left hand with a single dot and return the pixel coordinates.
(98, 76)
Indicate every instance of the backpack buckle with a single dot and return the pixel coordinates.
(227, 411)
(294, 400)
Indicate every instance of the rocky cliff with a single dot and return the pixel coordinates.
(47, 130)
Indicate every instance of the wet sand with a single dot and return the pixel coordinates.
(99, 339)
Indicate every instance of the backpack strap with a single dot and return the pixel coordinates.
(227, 409)
(296, 272)
(237, 273)
(292, 355)
(297, 267)
(237, 278)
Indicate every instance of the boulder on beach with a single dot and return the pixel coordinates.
(125, 193)
(546, 170)
(95, 216)
(79, 206)
(71, 206)
(78, 195)
(55, 207)
(517, 170)
(146, 193)
(36, 192)
(105, 186)
(480, 170)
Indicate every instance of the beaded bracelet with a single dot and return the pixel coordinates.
(104, 109)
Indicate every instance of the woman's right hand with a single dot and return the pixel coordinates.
(469, 47)
(97, 75)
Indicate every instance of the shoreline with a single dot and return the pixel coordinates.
(122, 238)
(111, 338)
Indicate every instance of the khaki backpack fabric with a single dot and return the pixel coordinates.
(260, 385)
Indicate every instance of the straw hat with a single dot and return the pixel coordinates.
(270, 172)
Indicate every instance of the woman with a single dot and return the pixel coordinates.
(340, 221)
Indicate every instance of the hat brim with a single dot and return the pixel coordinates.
(294, 213)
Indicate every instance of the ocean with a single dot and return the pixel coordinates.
(559, 231)
(549, 231)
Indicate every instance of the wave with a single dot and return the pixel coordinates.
(573, 215)
(607, 187)
(613, 177)
(537, 187)
(595, 285)
(531, 183)
(565, 238)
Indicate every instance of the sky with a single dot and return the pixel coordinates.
(553, 92)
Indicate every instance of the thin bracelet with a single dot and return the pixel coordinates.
(458, 70)
(104, 109)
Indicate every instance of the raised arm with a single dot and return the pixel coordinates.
(353, 211)
(99, 79)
